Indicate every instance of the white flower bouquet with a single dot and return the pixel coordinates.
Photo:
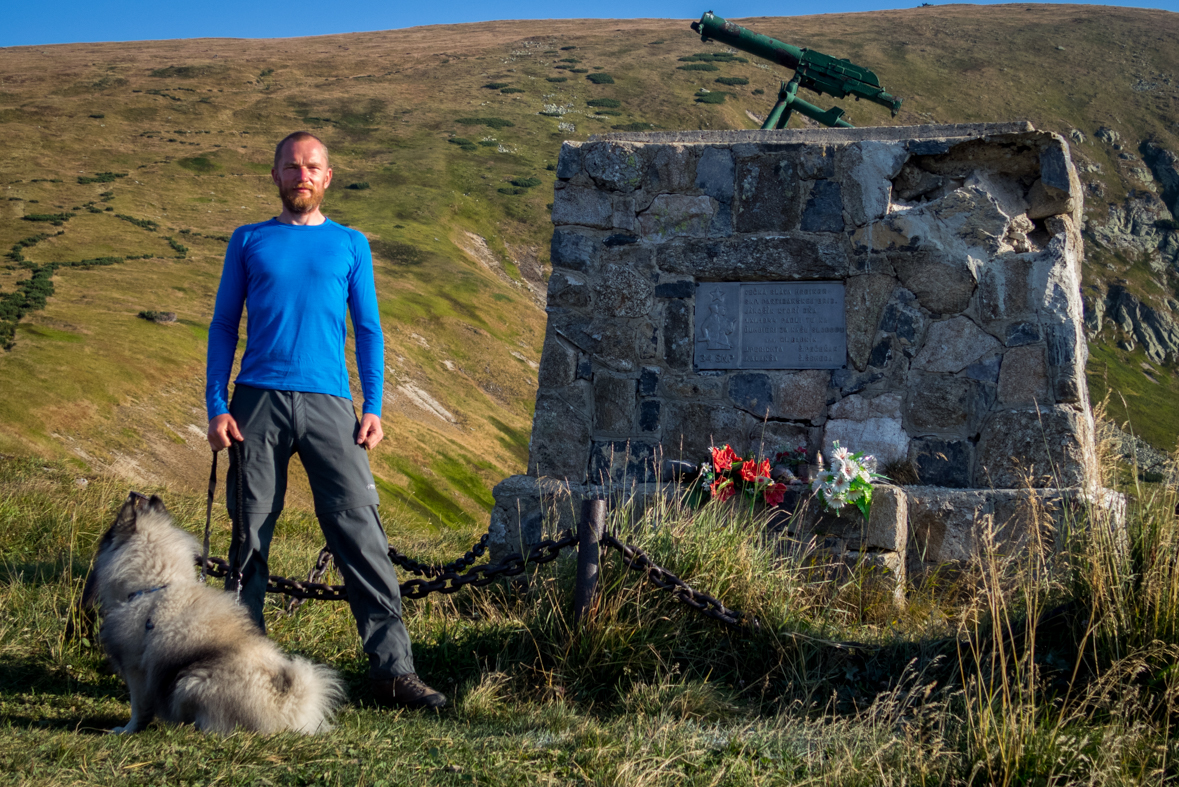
(848, 480)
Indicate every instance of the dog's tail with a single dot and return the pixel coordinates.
(307, 694)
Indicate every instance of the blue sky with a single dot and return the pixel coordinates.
(27, 22)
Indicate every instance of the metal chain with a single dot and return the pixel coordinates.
(448, 582)
(322, 563)
(437, 569)
(703, 603)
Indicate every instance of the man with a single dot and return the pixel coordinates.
(298, 275)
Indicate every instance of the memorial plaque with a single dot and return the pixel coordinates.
(770, 325)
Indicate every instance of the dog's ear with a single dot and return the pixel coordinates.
(155, 505)
(128, 515)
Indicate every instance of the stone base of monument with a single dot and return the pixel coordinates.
(913, 532)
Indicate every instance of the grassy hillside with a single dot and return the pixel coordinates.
(128, 165)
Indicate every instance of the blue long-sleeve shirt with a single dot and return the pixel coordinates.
(297, 283)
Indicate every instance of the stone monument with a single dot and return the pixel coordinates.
(912, 292)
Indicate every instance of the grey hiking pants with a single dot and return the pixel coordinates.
(322, 430)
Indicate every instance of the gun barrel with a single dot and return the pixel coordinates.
(712, 26)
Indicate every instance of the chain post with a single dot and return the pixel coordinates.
(589, 533)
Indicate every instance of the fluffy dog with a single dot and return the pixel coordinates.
(189, 653)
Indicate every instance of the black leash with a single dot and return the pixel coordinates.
(209, 520)
(238, 530)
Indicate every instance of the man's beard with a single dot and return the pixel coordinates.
(301, 203)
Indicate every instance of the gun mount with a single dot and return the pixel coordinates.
(813, 70)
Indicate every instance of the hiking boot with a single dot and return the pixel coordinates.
(406, 691)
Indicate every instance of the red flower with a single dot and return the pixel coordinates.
(751, 471)
(723, 458)
(722, 489)
(775, 494)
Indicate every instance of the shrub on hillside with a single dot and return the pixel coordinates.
(732, 80)
(146, 224)
(495, 85)
(526, 183)
(56, 219)
(579, 71)
(714, 97)
(612, 103)
(709, 57)
(699, 67)
(361, 186)
(101, 177)
(634, 127)
(490, 122)
(601, 78)
(759, 92)
(570, 60)
(567, 48)
(512, 191)
(556, 79)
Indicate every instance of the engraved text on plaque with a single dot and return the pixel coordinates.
(770, 325)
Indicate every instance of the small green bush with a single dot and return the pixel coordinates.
(1167, 224)
(361, 186)
(715, 97)
(177, 246)
(512, 90)
(512, 192)
(265, 72)
(158, 317)
(567, 48)
(732, 80)
(634, 127)
(563, 66)
(56, 219)
(101, 177)
(556, 79)
(699, 67)
(490, 122)
(526, 183)
(709, 57)
(570, 60)
(459, 141)
(146, 224)
(612, 103)
(98, 116)
(495, 85)
(488, 143)
(601, 78)
(759, 92)
(579, 71)
(610, 112)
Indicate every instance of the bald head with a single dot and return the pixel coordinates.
(298, 136)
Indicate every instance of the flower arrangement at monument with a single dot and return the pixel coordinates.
(728, 475)
(848, 480)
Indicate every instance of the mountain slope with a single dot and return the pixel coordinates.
(128, 165)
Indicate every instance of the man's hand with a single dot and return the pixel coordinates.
(223, 430)
(370, 432)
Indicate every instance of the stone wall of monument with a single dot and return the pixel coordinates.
(954, 253)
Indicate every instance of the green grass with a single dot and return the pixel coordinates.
(945, 689)
(1117, 378)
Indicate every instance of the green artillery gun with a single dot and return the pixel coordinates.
(812, 70)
